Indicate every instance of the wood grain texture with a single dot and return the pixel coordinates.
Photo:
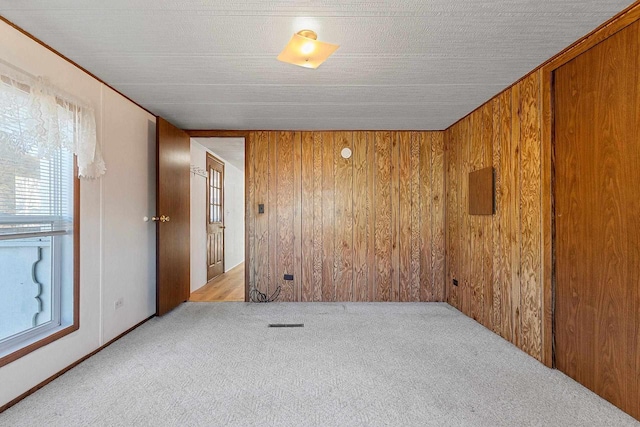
(384, 225)
(486, 222)
(297, 216)
(547, 219)
(485, 252)
(328, 217)
(272, 212)
(496, 226)
(597, 105)
(372, 200)
(228, 286)
(405, 218)
(422, 199)
(509, 255)
(437, 215)
(361, 216)
(476, 242)
(318, 228)
(530, 216)
(357, 229)
(514, 213)
(260, 260)
(452, 218)
(343, 217)
(522, 227)
(422, 215)
(463, 210)
(395, 215)
(307, 217)
(173, 237)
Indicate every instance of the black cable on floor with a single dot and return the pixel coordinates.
(256, 296)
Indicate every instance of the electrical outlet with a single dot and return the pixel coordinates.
(455, 282)
(118, 303)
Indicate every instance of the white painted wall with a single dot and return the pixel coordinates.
(117, 257)
(233, 217)
(198, 218)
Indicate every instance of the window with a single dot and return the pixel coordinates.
(215, 196)
(38, 223)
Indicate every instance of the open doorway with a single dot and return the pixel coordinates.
(217, 219)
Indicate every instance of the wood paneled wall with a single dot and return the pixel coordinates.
(497, 259)
(367, 228)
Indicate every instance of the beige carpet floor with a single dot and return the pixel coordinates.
(356, 364)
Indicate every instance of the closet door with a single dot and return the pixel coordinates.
(597, 219)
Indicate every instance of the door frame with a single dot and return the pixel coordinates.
(221, 133)
(547, 130)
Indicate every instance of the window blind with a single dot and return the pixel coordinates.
(36, 192)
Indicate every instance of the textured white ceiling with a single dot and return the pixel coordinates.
(412, 64)
(231, 150)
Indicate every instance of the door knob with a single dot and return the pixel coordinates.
(162, 218)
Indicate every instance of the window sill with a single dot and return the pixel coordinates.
(52, 336)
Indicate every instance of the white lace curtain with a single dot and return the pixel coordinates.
(37, 117)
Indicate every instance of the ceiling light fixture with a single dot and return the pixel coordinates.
(306, 51)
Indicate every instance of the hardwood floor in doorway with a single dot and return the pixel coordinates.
(228, 286)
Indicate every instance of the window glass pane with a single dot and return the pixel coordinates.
(25, 285)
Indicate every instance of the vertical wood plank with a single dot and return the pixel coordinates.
(496, 226)
(307, 195)
(405, 218)
(487, 221)
(284, 215)
(261, 168)
(372, 198)
(453, 215)
(318, 224)
(437, 216)
(416, 252)
(328, 219)
(383, 218)
(508, 207)
(476, 241)
(423, 170)
(530, 217)
(514, 208)
(361, 217)
(343, 218)
(463, 209)
(272, 211)
(395, 216)
(546, 129)
(297, 216)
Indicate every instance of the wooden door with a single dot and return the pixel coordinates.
(215, 217)
(597, 219)
(172, 216)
